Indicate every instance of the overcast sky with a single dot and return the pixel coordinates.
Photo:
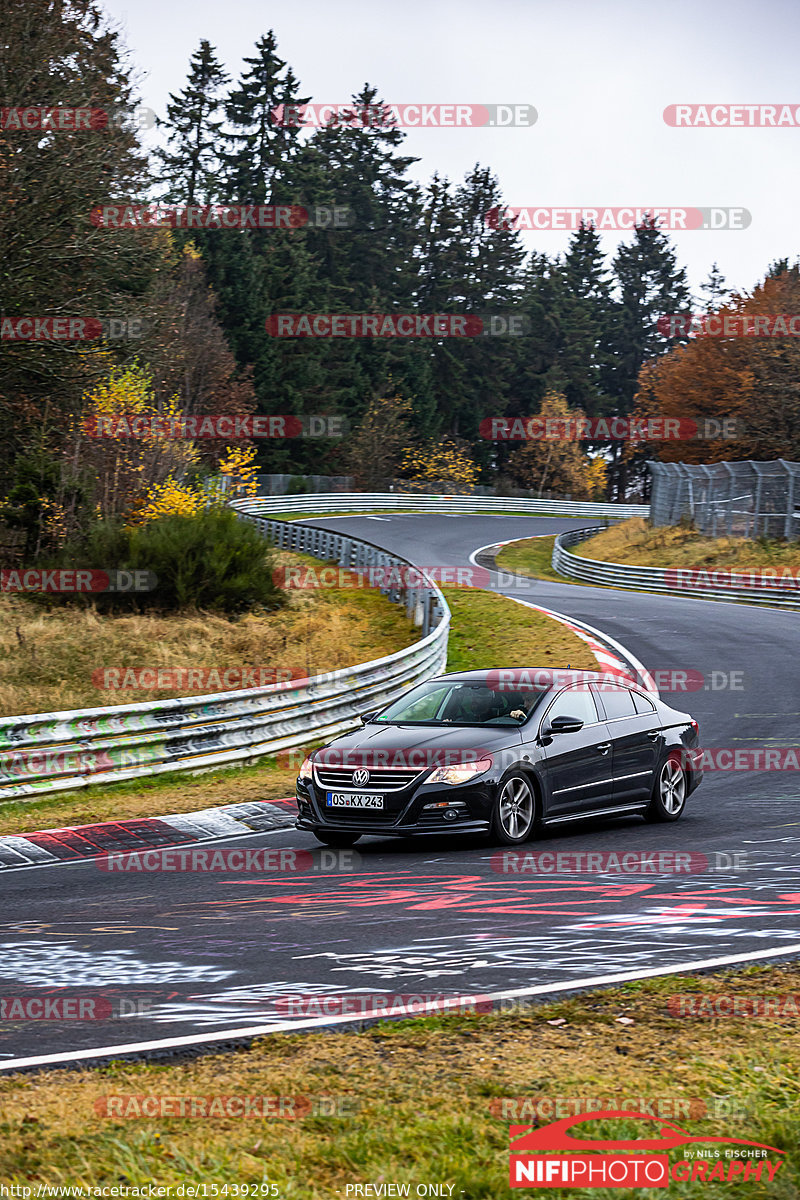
(599, 74)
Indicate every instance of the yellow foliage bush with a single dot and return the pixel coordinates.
(444, 460)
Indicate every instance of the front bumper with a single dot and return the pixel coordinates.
(401, 831)
(460, 808)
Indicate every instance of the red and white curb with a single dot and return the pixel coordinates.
(50, 846)
(612, 657)
(623, 665)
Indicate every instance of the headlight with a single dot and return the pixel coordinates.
(461, 773)
(305, 771)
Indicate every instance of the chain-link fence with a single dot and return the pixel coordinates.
(733, 499)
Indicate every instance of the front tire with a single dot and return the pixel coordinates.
(669, 791)
(514, 811)
(333, 838)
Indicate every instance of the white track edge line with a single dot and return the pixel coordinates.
(351, 1018)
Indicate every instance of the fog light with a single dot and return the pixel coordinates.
(451, 814)
(447, 804)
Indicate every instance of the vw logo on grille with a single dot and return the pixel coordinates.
(360, 777)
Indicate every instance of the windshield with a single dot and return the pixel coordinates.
(453, 703)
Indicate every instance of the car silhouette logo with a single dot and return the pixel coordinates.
(360, 777)
(666, 1136)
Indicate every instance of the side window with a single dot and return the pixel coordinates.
(643, 705)
(574, 702)
(618, 702)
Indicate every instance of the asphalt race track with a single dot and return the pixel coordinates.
(209, 955)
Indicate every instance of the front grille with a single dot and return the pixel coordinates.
(383, 779)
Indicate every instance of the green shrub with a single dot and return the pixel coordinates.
(212, 560)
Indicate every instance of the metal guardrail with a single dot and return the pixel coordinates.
(60, 751)
(662, 579)
(340, 502)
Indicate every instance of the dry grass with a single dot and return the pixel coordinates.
(419, 1101)
(487, 631)
(47, 658)
(640, 544)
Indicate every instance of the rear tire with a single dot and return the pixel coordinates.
(514, 812)
(669, 791)
(334, 838)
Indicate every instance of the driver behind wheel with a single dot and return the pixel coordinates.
(473, 705)
(516, 706)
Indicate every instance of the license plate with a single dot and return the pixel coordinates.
(352, 800)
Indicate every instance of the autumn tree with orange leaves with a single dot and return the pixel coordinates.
(755, 380)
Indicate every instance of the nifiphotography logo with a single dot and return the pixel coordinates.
(554, 1156)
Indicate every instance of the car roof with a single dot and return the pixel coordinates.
(565, 675)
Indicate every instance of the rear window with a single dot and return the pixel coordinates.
(618, 702)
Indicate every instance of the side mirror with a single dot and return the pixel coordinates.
(564, 724)
(366, 717)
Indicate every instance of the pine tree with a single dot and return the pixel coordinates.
(585, 314)
(190, 164)
(370, 266)
(259, 145)
(472, 267)
(650, 285)
(715, 293)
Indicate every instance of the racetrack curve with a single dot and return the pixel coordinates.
(215, 956)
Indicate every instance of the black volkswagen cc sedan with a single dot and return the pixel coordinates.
(501, 752)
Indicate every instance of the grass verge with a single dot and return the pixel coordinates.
(489, 630)
(429, 1100)
(56, 659)
(640, 544)
(484, 626)
(530, 556)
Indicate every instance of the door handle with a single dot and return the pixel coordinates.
(603, 748)
(654, 735)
